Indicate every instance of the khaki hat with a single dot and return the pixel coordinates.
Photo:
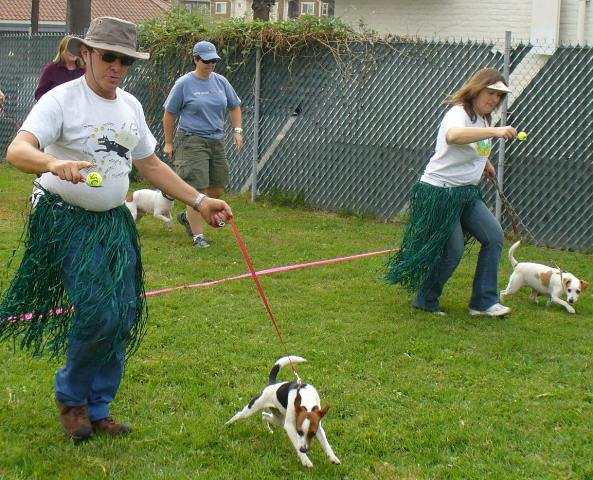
(112, 34)
(499, 87)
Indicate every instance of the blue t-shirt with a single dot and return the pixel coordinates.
(201, 104)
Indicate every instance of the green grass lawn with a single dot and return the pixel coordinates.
(413, 396)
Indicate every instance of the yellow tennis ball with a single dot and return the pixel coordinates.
(522, 136)
(94, 179)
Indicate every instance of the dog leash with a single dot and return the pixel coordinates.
(512, 213)
(10, 117)
(263, 296)
(506, 205)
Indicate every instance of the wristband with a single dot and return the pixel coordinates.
(199, 199)
(238, 130)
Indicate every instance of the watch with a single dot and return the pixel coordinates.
(199, 199)
(238, 130)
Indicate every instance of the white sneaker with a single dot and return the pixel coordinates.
(496, 310)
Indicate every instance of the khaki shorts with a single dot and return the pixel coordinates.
(199, 161)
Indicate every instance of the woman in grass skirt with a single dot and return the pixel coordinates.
(446, 206)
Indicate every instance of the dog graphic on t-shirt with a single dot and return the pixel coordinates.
(111, 146)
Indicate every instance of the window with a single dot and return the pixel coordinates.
(308, 8)
(197, 6)
(220, 8)
(324, 9)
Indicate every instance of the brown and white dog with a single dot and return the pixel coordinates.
(146, 202)
(294, 406)
(546, 280)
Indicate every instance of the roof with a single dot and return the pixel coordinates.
(136, 11)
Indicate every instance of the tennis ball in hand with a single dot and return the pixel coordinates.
(94, 179)
(522, 136)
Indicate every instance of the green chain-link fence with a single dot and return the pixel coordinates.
(354, 132)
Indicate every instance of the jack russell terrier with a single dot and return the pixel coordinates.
(294, 406)
(146, 202)
(542, 279)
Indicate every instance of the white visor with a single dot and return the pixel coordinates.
(499, 87)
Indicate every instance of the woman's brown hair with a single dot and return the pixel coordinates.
(61, 48)
(470, 90)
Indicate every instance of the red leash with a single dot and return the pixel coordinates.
(262, 294)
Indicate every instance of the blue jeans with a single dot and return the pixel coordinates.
(479, 222)
(85, 380)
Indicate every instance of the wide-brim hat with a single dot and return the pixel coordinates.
(499, 87)
(112, 34)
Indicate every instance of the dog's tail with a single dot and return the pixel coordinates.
(281, 363)
(514, 262)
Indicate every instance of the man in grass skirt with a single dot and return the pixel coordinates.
(79, 289)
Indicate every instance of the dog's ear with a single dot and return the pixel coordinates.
(324, 411)
(566, 281)
(297, 400)
(584, 285)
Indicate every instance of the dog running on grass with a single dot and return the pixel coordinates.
(295, 407)
(546, 280)
(145, 202)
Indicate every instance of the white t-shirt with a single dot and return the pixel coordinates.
(71, 122)
(457, 165)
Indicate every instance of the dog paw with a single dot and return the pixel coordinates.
(570, 310)
(335, 460)
(307, 463)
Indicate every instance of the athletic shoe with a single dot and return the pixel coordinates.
(200, 241)
(182, 219)
(496, 310)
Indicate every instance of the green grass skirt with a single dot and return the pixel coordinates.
(434, 213)
(36, 311)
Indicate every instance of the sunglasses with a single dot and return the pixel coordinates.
(209, 62)
(110, 57)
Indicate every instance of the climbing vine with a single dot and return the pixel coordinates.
(177, 32)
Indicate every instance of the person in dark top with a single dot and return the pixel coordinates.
(63, 68)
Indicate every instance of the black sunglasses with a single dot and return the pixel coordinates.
(110, 57)
(208, 62)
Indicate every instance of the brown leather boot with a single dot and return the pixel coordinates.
(108, 425)
(75, 421)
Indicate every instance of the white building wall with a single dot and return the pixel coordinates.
(459, 19)
(568, 21)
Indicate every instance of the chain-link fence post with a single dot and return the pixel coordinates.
(503, 122)
(255, 158)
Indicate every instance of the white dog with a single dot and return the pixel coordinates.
(294, 406)
(546, 280)
(146, 202)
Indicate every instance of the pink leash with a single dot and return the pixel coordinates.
(268, 272)
(29, 316)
